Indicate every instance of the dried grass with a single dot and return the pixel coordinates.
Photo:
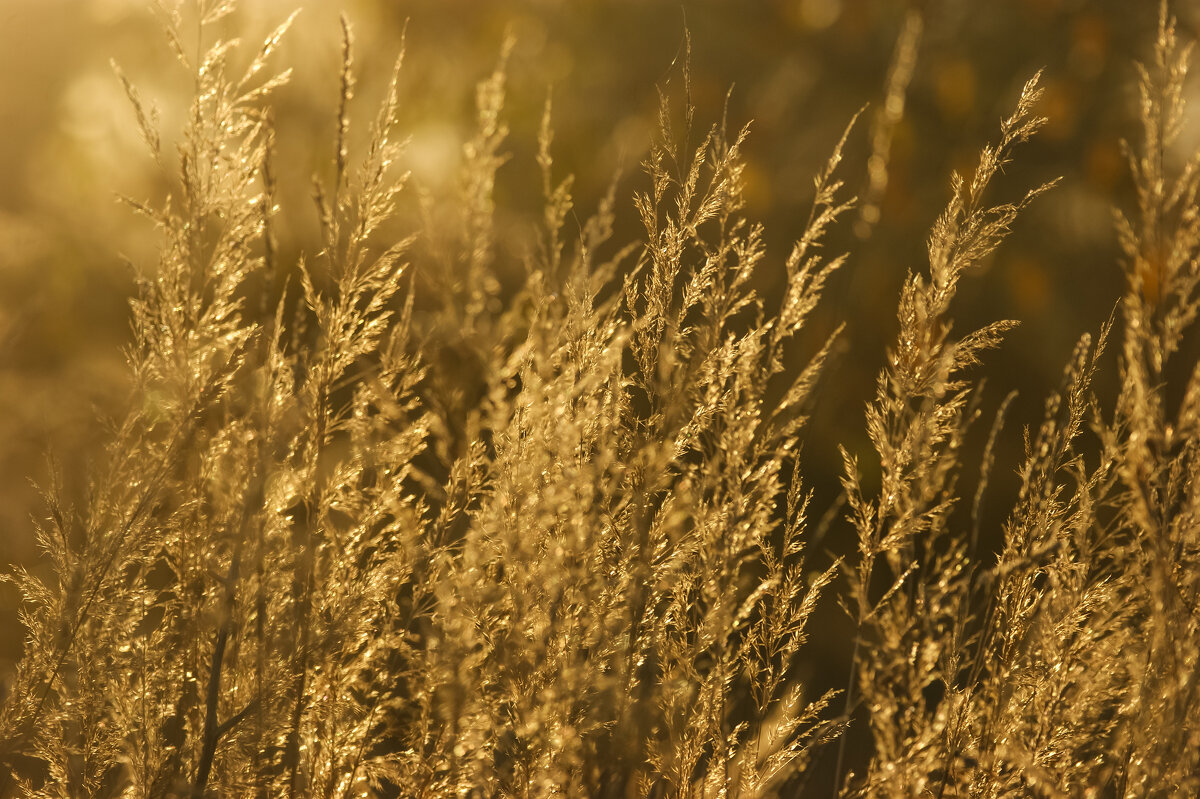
(557, 544)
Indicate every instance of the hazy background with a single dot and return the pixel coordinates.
(798, 69)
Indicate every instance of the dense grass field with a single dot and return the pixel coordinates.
(427, 468)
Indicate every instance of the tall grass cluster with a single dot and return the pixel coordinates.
(376, 523)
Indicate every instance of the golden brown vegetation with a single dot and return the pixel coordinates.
(374, 525)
